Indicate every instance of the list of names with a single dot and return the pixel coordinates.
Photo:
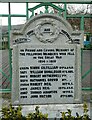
(46, 74)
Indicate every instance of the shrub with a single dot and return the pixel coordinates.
(14, 113)
(37, 115)
(68, 115)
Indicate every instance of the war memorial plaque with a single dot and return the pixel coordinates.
(46, 73)
(46, 62)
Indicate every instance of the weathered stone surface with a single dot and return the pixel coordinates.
(46, 62)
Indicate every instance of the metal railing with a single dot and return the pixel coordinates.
(46, 6)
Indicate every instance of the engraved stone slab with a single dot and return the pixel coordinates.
(47, 74)
(46, 62)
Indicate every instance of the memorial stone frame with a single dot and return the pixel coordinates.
(46, 62)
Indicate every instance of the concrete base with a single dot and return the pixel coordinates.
(54, 111)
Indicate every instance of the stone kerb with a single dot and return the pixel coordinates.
(46, 62)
